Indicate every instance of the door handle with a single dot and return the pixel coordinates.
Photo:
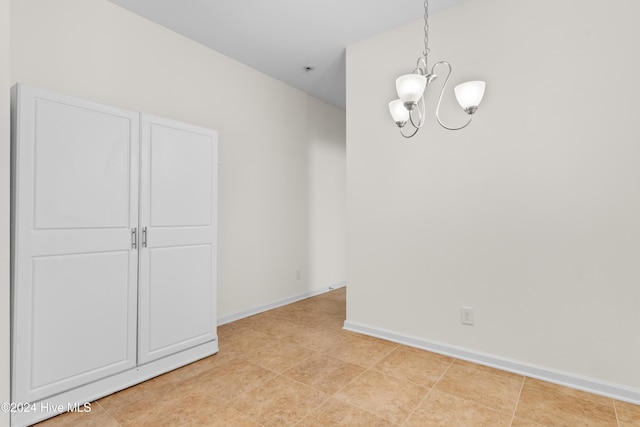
(144, 237)
(134, 238)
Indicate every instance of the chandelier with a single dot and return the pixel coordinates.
(411, 88)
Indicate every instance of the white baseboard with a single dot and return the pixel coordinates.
(261, 309)
(568, 379)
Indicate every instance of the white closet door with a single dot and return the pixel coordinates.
(177, 307)
(75, 271)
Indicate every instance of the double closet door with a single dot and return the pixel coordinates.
(113, 240)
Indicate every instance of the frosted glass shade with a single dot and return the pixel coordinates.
(398, 111)
(469, 94)
(410, 87)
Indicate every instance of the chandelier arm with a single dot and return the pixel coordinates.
(421, 114)
(409, 136)
(421, 66)
(440, 98)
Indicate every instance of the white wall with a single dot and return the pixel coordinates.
(270, 134)
(4, 206)
(531, 215)
(327, 190)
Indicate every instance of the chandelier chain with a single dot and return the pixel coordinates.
(425, 53)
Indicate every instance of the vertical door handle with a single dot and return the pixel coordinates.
(134, 238)
(144, 237)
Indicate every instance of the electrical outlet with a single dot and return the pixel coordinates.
(466, 315)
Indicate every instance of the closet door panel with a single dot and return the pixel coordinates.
(181, 177)
(177, 307)
(75, 178)
(80, 303)
(169, 269)
(82, 166)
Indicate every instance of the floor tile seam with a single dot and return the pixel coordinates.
(278, 341)
(424, 398)
(346, 403)
(307, 359)
(352, 379)
(459, 397)
(579, 398)
(399, 377)
(272, 370)
(250, 328)
(227, 401)
(574, 418)
(280, 320)
(329, 397)
(232, 358)
(515, 408)
(118, 408)
(443, 374)
(529, 420)
(375, 362)
(367, 410)
(555, 393)
(399, 347)
(335, 395)
(271, 336)
(402, 380)
(305, 385)
(238, 358)
(487, 371)
(108, 414)
(498, 410)
(246, 415)
(335, 356)
(613, 403)
(328, 312)
(615, 407)
(284, 374)
(615, 410)
(315, 350)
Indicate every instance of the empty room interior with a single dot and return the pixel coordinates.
(210, 218)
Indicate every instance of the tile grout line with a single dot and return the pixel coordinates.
(311, 411)
(107, 412)
(271, 379)
(444, 373)
(352, 379)
(429, 392)
(515, 408)
(615, 411)
(366, 369)
(469, 400)
(331, 396)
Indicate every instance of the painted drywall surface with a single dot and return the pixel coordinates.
(532, 214)
(96, 50)
(327, 190)
(4, 206)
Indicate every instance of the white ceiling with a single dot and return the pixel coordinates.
(280, 37)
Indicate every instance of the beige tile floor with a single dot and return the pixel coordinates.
(295, 366)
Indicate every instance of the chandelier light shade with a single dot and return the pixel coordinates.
(398, 111)
(469, 94)
(411, 90)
